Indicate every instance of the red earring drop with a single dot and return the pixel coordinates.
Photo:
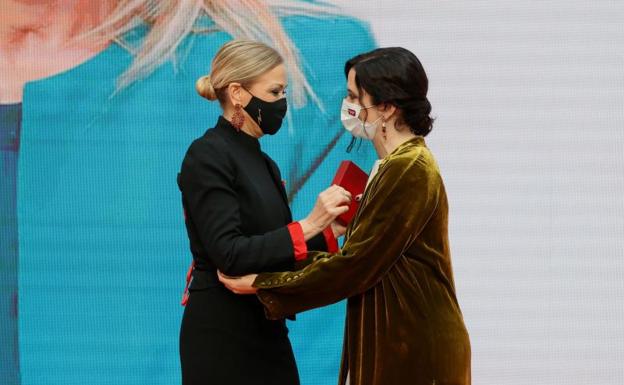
(238, 119)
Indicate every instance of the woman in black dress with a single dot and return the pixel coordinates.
(238, 221)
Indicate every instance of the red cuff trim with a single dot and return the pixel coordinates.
(189, 278)
(299, 244)
(330, 240)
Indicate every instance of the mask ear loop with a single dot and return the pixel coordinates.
(364, 122)
(353, 138)
(259, 117)
(245, 88)
(352, 144)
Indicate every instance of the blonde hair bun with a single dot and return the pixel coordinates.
(204, 87)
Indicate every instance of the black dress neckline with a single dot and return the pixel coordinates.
(240, 137)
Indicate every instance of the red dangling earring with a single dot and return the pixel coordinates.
(383, 129)
(238, 119)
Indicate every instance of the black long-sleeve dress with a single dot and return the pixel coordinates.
(237, 219)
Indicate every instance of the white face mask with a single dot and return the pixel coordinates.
(349, 116)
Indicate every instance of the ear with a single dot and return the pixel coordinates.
(234, 93)
(387, 110)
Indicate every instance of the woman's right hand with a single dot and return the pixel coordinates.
(329, 204)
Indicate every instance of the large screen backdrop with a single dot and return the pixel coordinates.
(529, 105)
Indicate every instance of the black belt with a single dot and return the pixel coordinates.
(204, 279)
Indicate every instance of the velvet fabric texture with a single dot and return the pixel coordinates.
(404, 324)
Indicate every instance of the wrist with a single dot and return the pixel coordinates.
(309, 228)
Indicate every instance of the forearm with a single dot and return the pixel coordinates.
(310, 228)
(240, 255)
(327, 279)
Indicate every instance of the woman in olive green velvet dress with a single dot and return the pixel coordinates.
(404, 325)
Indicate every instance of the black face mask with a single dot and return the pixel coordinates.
(268, 115)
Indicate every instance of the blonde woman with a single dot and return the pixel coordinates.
(238, 221)
(96, 104)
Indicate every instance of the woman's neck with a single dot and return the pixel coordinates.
(393, 139)
(38, 39)
(249, 126)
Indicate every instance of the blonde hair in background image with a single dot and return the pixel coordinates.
(241, 61)
(170, 21)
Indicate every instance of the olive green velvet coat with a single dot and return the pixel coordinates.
(404, 325)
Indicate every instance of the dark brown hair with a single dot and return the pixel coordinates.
(395, 76)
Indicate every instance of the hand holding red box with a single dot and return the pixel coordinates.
(350, 177)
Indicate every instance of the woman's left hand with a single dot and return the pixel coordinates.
(338, 229)
(239, 285)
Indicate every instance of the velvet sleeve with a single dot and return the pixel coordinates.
(396, 206)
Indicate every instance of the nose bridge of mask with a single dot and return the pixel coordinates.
(254, 96)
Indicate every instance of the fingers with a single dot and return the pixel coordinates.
(339, 210)
(228, 282)
(335, 196)
(332, 202)
(335, 189)
(238, 285)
